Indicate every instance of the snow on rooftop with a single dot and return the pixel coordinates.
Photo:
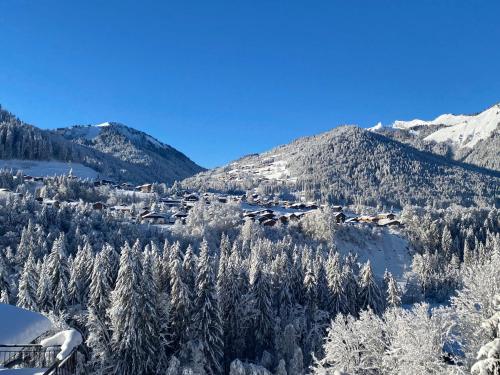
(20, 326)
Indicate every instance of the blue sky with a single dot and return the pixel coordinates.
(220, 79)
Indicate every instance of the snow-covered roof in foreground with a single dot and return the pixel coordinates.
(20, 326)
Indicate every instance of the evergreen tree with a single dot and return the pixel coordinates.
(181, 306)
(26, 297)
(129, 355)
(369, 292)
(58, 272)
(150, 319)
(262, 316)
(393, 292)
(44, 291)
(207, 314)
(99, 335)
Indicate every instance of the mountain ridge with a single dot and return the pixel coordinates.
(350, 165)
(125, 156)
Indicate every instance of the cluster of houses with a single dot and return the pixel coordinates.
(263, 210)
(383, 219)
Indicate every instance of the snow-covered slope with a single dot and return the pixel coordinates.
(48, 168)
(162, 162)
(385, 248)
(460, 131)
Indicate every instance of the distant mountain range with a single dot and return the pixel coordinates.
(416, 162)
(473, 139)
(112, 150)
(453, 159)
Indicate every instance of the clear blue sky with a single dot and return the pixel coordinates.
(220, 79)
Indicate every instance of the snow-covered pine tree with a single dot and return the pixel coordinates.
(58, 272)
(129, 356)
(335, 279)
(99, 335)
(80, 272)
(26, 296)
(207, 315)
(4, 274)
(152, 342)
(393, 292)
(181, 305)
(261, 308)
(369, 291)
(189, 268)
(44, 292)
(489, 354)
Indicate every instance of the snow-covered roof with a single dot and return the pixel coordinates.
(20, 326)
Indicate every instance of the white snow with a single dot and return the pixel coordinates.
(20, 326)
(470, 131)
(48, 168)
(384, 247)
(376, 127)
(461, 130)
(69, 340)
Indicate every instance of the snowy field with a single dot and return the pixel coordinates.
(48, 168)
(384, 247)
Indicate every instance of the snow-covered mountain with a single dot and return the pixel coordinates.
(470, 138)
(110, 150)
(352, 165)
(162, 162)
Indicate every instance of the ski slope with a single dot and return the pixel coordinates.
(48, 168)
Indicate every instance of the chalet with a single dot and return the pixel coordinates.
(127, 186)
(144, 212)
(38, 179)
(52, 203)
(339, 217)
(249, 214)
(99, 206)
(266, 211)
(368, 219)
(352, 220)
(389, 216)
(124, 209)
(292, 217)
(284, 219)
(155, 218)
(267, 215)
(311, 206)
(180, 215)
(269, 223)
(171, 202)
(146, 188)
(191, 198)
(298, 206)
(27, 178)
(389, 222)
(337, 208)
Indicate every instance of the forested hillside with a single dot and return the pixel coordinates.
(350, 165)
